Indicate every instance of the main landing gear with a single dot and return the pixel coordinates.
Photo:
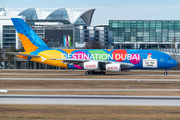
(95, 73)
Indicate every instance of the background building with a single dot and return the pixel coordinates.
(8, 35)
(98, 33)
(145, 34)
(50, 24)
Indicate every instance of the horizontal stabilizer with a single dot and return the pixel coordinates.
(22, 54)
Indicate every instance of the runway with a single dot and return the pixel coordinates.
(171, 80)
(91, 89)
(90, 100)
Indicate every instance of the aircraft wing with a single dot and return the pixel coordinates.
(22, 54)
(72, 61)
(101, 62)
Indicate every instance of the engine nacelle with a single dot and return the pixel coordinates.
(91, 65)
(113, 67)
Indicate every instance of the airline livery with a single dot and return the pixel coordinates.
(96, 61)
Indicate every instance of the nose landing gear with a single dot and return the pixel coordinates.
(165, 73)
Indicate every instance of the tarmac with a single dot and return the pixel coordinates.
(90, 100)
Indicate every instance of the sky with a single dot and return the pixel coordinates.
(110, 9)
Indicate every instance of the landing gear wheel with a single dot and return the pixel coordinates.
(87, 72)
(102, 73)
(90, 72)
(94, 73)
(165, 73)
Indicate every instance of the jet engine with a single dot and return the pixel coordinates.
(91, 65)
(113, 67)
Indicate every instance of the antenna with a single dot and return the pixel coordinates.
(7, 10)
(71, 14)
(39, 12)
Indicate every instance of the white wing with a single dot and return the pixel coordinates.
(101, 62)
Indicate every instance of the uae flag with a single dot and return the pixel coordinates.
(67, 40)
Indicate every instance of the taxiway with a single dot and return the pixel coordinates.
(90, 100)
(91, 89)
(173, 80)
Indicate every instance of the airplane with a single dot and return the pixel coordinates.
(95, 61)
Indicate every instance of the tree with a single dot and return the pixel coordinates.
(10, 57)
(174, 55)
(1, 58)
(20, 49)
(95, 44)
(173, 49)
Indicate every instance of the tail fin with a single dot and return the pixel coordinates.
(30, 40)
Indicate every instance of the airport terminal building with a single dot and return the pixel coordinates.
(145, 34)
(53, 25)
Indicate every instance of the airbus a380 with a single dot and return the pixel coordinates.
(95, 61)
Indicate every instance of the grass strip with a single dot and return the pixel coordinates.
(75, 112)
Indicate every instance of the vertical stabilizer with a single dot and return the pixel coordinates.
(30, 40)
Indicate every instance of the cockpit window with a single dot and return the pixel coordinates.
(170, 58)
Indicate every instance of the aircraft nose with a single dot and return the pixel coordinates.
(174, 63)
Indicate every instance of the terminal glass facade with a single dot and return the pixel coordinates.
(2, 10)
(60, 14)
(30, 14)
(159, 33)
(9, 36)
